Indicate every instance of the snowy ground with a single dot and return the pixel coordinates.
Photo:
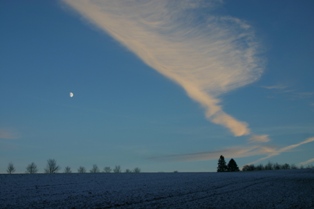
(264, 189)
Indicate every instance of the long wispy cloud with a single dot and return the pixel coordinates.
(235, 152)
(291, 93)
(284, 149)
(307, 162)
(276, 87)
(6, 133)
(184, 40)
(232, 152)
(259, 138)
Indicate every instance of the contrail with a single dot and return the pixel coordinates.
(284, 149)
(231, 152)
(187, 42)
(307, 162)
(236, 152)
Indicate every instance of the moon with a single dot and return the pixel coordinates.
(71, 94)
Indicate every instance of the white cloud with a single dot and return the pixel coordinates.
(284, 149)
(292, 94)
(259, 138)
(8, 134)
(232, 152)
(307, 162)
(276, 87)
(206, 54)
(235, 152)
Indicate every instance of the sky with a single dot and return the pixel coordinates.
(160, 85)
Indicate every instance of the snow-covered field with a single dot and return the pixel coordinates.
(263, 189)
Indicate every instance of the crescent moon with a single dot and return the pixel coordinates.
(71, 94)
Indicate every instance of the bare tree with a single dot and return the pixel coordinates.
(136, 170)
(10, 168)
(95, 169)
(81, 169)
(276, 166)
(259, 167)
(52, 166)
(31, 168)
(269, 166)
(67, 170)
(128, 170)
(117, 169)
(309, 166)
(285, 166)
(107, 169)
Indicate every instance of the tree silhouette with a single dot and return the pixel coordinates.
(136, 170)
(117, 169)
(52, 166)
(67, 170)
(269, 166)
(95, 169)
(81, 169)
(222, 164)
(31, 168)
(259, 167)
(248, 168)
(232, 166)
(107, 169)
(10, 168)
(285, 166)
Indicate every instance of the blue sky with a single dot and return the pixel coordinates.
(161, 85)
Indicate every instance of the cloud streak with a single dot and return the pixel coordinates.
(259, 138)
(276, 87)
(284, 149)
(236, 152)
(307, 162)
(232, 152)
(206, 54)
(8, 134)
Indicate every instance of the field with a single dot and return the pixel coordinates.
(264, 189)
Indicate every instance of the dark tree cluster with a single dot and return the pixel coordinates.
(230, 167)
(272, 166)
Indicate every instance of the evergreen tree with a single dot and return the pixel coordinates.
(232, 166)
(221, 164)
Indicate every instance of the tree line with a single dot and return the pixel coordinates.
(232, 166)
(52, 167)
(273, 166)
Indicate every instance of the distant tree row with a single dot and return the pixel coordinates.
(273, 166)
(53, 167)
(231, 167)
